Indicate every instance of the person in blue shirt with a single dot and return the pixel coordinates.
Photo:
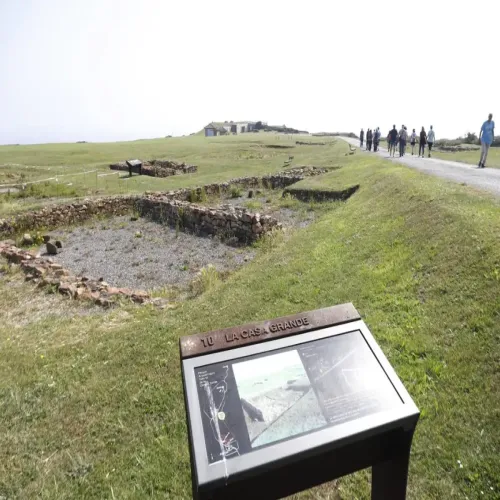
(486, 136)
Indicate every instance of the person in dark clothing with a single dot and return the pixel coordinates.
(393, 139)
(369, 137)
(431, 137)
(361, 138)
(376, 140)
(403, 135)
(423, 142)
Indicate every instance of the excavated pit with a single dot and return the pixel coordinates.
(143, 254)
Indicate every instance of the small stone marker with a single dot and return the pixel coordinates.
(280, 406)
(27, 239)
(51, 248)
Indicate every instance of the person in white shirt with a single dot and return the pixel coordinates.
(413, 141)
(431, 137)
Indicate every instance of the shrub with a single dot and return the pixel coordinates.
(270, 240)
(254, 205)
(471, 138)
(45, 190)
(196, 196)
(207, 278)
(236, 192)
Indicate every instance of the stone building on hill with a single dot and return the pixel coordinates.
(222, 128)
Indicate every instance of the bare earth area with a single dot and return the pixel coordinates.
(142, 254)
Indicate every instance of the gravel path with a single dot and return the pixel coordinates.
(485, 178)
(111, 250)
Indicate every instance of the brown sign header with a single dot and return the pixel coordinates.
(238, 336)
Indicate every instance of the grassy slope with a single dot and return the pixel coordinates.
(471, 157)
(417, 256)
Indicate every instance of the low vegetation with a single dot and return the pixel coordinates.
(471, 157)
(91, 402)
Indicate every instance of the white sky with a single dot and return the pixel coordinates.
(101, 70)
(266, 365)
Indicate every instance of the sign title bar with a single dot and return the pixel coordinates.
(230, 338)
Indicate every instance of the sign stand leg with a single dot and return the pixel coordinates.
(389, 478)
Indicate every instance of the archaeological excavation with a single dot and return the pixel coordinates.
(125, 247)
(154, 168)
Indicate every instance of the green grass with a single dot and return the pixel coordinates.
(91, 402)
(471, 157)
(218, 159)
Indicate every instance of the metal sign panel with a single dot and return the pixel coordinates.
(285, 395)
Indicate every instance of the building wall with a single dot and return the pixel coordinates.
(209, 132)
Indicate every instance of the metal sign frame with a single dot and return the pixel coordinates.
(211, 480)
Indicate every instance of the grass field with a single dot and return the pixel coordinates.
(83, 169)
(91, 402)
(471, 157)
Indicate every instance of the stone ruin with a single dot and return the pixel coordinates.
(45, 272)
(172, 207)
(55, 215)
(158, 168)
(227, 221)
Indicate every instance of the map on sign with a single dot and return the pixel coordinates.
(264, 399)
(216, 391)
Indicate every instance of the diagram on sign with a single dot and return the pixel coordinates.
(216, 392)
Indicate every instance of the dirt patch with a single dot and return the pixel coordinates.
(278, 146)
(142, 254)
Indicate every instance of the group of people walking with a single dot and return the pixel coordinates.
(398, 140)
(372, 139)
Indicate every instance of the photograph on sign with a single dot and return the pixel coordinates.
(260, 400)
(276, 397)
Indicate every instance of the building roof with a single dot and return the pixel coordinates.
(215, 126)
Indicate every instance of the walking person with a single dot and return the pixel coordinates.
(393, 139)
(369, 138)
(431, 137)
(413, 141)
(361, 138)
(402, 141)
(422, 143)
(376, 140)
(486, 136)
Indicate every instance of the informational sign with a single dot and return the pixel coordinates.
(270, 393)
(260, 400)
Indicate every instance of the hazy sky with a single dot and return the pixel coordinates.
(101, 70)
